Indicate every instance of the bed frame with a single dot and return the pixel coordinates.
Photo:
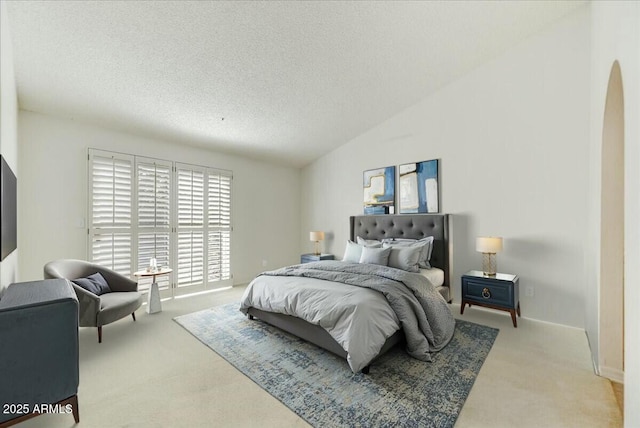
(413, 226)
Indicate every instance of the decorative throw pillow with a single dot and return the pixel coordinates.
(375, 256)
(369, 242)
(352, 252)
(95, 284)
(405, 257)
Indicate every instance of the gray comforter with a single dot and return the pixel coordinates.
(361, 328)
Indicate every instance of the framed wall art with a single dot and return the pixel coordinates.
(379, 190)
(419, 187)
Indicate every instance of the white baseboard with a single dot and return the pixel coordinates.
(615, 375)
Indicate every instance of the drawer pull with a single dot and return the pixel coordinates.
(486, 293)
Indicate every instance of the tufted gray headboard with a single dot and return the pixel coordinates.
(413, 226)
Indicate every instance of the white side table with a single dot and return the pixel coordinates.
(153, 297)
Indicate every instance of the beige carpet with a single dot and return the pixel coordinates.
(152, 373)
(618, 391)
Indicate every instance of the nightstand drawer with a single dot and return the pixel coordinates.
(497, 294)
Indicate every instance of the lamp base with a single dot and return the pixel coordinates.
(489, 264)
(317, 249)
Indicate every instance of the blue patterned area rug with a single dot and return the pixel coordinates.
(320, 387)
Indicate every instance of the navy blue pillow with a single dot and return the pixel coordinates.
(95, 283)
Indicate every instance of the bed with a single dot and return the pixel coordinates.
(312, 327)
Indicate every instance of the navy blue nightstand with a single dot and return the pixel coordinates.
(496, 292)
(308, 258)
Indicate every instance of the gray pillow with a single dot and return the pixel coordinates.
(352, 252)
(405, 257)
(369, 242)
(95, 284)
(375, 256)
(425, 243)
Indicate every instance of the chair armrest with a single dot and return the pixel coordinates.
(89, 306)
(119, 282)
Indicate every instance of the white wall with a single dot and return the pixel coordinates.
(8, 131)
(616, 36)
(512, 137)
(53, 185)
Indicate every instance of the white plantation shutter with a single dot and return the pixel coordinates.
(142, 208)
(204, 226)
(191, 255)
(190, 258)
(219, 222)
(110, 213)
(190, 197)
(154, 245)
(154, 193)
(111, 191)
(112, 250)
(154, 216)
(219, 207)
(219, 262)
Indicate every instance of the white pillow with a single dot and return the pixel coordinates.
(405, 257)
(352, 252)
(375, 256)
(369, 242)
(426, 262)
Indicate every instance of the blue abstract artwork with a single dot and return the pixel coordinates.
(379, 190)
(419, 187)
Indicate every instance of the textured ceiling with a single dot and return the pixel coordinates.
(292, 80)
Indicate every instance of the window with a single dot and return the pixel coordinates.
(219, 226)
(180, 214)
(191, 254)
(204, 225)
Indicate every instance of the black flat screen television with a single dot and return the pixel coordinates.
(8, 210)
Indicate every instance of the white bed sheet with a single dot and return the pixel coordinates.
(435, 275)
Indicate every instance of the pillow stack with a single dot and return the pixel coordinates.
(406, 254)
(425, 244)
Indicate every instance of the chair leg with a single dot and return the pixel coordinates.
(133, 314)
(74, 408)
(100, 334)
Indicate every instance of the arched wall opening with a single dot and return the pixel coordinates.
(611, 325)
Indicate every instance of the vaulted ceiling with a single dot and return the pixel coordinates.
(281, 81)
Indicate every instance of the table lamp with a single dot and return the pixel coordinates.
(316, 236)
(489, 246)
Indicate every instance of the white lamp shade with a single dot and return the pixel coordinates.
(316, 236)
(488, 244)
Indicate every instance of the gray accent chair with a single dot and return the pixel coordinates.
(38, 350)
(96, 311)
